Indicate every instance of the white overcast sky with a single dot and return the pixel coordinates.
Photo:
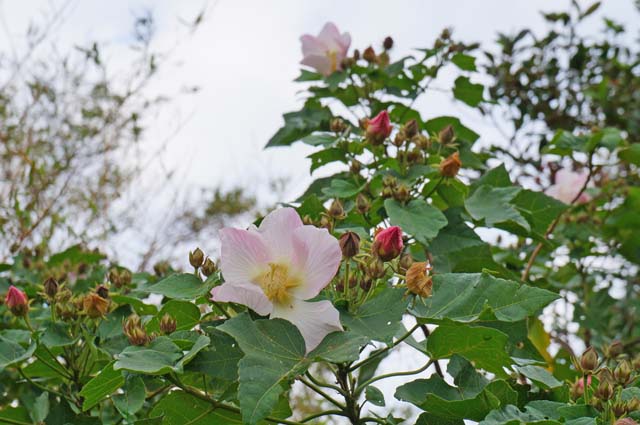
(245, 56)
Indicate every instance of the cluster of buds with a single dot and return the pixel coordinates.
(607, 393)
(198, 261)
(17, 302)
(120, 278)
(135, 332)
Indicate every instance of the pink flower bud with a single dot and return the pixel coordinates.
(379, 128)
(17, 301)
(388, 243)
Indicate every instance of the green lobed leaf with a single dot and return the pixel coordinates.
(380, 317)
(101, 386)
(274, 353)
(539, 376)
(132, 399)
(339, 347)
(417, 218)
(179, 408)
(464, 62)
(493, 206)
(219, 359)
(11, 352)
(182, 286)
(158, 358)
(468, 92)
(483, 346)
(342, 189)
(466, 297)
(313, 116)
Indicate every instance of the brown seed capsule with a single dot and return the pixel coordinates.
(369, 55)
(103, 291)
(336, 210)
(362, 203)
(50, 287)
(411, 128)
(94, 305)
(337, 125)
(388, 43)
(196, 258)
(589, 360)
(418, 279)
(451, 165)
(349, 244)
(167, 324)
(209, 267)
(446, 135)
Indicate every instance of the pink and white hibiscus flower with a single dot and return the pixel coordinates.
(325, 52)
(274, 268)
(568, 185)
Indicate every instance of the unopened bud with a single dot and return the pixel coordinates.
(362, 203)
(383, 58)
(365, 284)
(389, 181)
(388, 243)
(446, 135)
(355, 166)
(133, 330)
(168, 324)
(411, 128)
(337, 125)
(353, 281)
(376, 269)
(418, 279)
(619, 408)
(114, 278)
(356, 55)
(340, 286)
(622, 372)
(196, 258)
(50, 287)
(349, 244)
(369, 55)
(414, 156)
(421, 141)
(451, 165)
(209, 267)
(399, 138)
(387, 43)
(94, 305)
(125, 277)
(17, 302)
(633, 404)
(401, 193)
(336, 210)
(589, 360)
(406, 260)
(604, 391)
(614, 350)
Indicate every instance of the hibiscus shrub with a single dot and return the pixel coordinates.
(380, 260)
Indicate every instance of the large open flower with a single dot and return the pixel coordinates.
(326, 51)
(273, 269)
(567, 186)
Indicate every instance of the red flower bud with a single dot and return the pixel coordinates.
(379, 128)
(17, 301)
(388, 243)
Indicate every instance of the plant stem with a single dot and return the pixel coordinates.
(320, 414)
(323, 394)
(363, 385)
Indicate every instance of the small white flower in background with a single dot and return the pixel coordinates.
(325, 52)
(273, 269)
(568, 185)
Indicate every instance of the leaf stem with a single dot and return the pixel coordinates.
(362, 386)
(323, 394)
(384, 350)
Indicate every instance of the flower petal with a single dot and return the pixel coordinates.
(277, 230)
(316, 256)
(320, 63)
(312, 46)
(243, 254)
(315, 320)
(245, 294)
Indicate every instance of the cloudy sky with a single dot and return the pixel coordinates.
(245, 56)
